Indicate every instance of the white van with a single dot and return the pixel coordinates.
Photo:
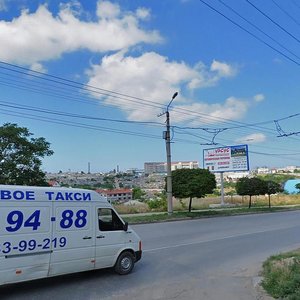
(47, 231)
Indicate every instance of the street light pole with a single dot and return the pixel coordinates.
(167, 137)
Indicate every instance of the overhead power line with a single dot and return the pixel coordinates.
(88, 126)
(250, 33)
(259, 29)
(118, 131)
(59, 113)
(238, 125)
(75, 84)
(77, 124)
(274, 22)
(47, 91)
(52, 79)
(286, 12)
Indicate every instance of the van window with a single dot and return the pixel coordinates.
(108, 220)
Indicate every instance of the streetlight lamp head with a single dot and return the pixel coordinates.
(174, 96)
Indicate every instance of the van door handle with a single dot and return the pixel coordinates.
(100, 236)
(87, 238)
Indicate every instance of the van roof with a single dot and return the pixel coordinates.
(56, 194)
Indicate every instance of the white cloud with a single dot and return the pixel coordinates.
(231, 109)
(40, 36)
(143, 13)
(108, 10)
(223, 69)
(252, 138)
(38, 68)
(210, 76)
(153, 77)
(259, 97)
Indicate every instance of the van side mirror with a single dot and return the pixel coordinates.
(125, 226)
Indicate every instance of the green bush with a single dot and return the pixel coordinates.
(282, 276)
(159, 203)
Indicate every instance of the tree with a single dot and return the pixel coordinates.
(138, 193)
(297, 186)
(20, 156)
(272, 188)
(250, 187)
(190, 183)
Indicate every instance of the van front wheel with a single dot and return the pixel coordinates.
(125, 263)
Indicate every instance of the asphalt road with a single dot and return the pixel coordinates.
(209, 259)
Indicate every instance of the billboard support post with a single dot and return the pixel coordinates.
(222, 188)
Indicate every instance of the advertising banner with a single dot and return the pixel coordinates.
(226, 159)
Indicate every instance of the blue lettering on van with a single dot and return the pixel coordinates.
(17, 195)
(68, 196)
(31, 245)
(16, 220)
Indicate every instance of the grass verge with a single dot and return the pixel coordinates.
(282, 276)
(152, 218)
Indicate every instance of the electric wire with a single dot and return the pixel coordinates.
(63, 95)
(285, 12)
(259, 29)
(274, 22)
(88, 126)
(105, 129)
(59, 113)
(187, 111)
(124, 97)
(75, 84)
(224, 142)
(181, 110)
(250, 33)
(76, 124)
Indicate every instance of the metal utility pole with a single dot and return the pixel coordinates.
(167, 137)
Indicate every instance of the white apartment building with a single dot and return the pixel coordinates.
(161, 167)
(120, 195)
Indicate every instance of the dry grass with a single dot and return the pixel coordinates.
(132, 209)
(203, 203)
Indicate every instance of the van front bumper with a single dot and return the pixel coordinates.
(138, 255)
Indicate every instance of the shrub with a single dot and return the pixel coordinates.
(158, 203)
(282, 276)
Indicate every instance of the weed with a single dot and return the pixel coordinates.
(282, 275)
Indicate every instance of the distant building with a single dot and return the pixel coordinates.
(135, 171)
(291, 169)
(184, 165)
(53, 183)
(161, 167)
(117, 195)
(155, 167)
(233, 176)
(263, 170)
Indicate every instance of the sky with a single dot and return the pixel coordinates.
(94, 78)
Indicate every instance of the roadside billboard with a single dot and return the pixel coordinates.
(226, 159)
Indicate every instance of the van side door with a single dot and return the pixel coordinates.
(73, 240)
(110, 237)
